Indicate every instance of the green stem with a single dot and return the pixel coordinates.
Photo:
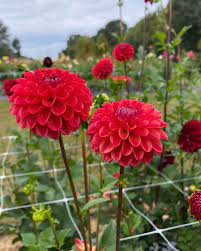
(99, 207)
(68, 172)
(55, 234)
(86, 183)
(118, 216)
(127, 85)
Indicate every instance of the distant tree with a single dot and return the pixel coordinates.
(16, 46)
(4, 41)
(154, 23)
(102, 44)
(111, 32)
(188, 13)
(71, 46)
(85, 47)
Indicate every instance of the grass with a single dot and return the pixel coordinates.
(7, 121)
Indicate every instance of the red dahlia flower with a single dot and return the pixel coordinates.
(103, 68)
(123, 52)
(190, 136)
(50, 102)
(127, 132)
(7, 86)
(47, 62)
(194, 202)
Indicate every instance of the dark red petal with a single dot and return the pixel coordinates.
(53, 134)
(54, 123)
(157, 145)
(138, 153)
(104, 132)
(41, 130)
(43, 116)
(135, 140)
(115, 140)
(148, 157)
(34, 108)
(58, 108)
(116, 154)
(127, 148)
(123, 133)
(146, 144)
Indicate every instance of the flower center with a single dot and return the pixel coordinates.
(127, 112)
(52, 80)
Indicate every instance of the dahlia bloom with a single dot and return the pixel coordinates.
(191, 54)
(121, 79)
(194, 202)
(79, 246)
(127, 131)
(50, 102)
(47, 62)
(7, 86)
(123, 52)
(103, 69)
(190, 136)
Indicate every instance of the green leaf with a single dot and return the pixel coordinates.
(108, 238)
(46, 238)
(93, 203)
(28, 239)
(62, 234)
(109, 186)
(37, 248)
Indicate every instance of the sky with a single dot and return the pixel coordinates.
(43, 26)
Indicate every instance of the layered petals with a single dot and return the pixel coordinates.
(50, 102)
(127, 132)
(190, 136)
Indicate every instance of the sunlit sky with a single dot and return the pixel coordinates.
(43, 26)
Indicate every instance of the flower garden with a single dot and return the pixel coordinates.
(103, 153)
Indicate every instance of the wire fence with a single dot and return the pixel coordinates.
(66, 200)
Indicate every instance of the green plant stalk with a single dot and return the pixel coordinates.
(181, 122)
(168, 73)
(86, 183)
(99, 207)
(54, 232)
(118, 216)
(144, 48)
(68, 172)
(127, 85)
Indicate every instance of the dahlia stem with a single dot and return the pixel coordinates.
(127, 85)
(68, 172)
(181, 122)
(86, 183)
(168, 71)
(118, 216)
(55, 234)
(99, 207)
(144, 48)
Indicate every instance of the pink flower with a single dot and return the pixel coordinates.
(128, 132)
(103, 69)
(123, 52)
(191, 55)
(50, 102)
(165, 55)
